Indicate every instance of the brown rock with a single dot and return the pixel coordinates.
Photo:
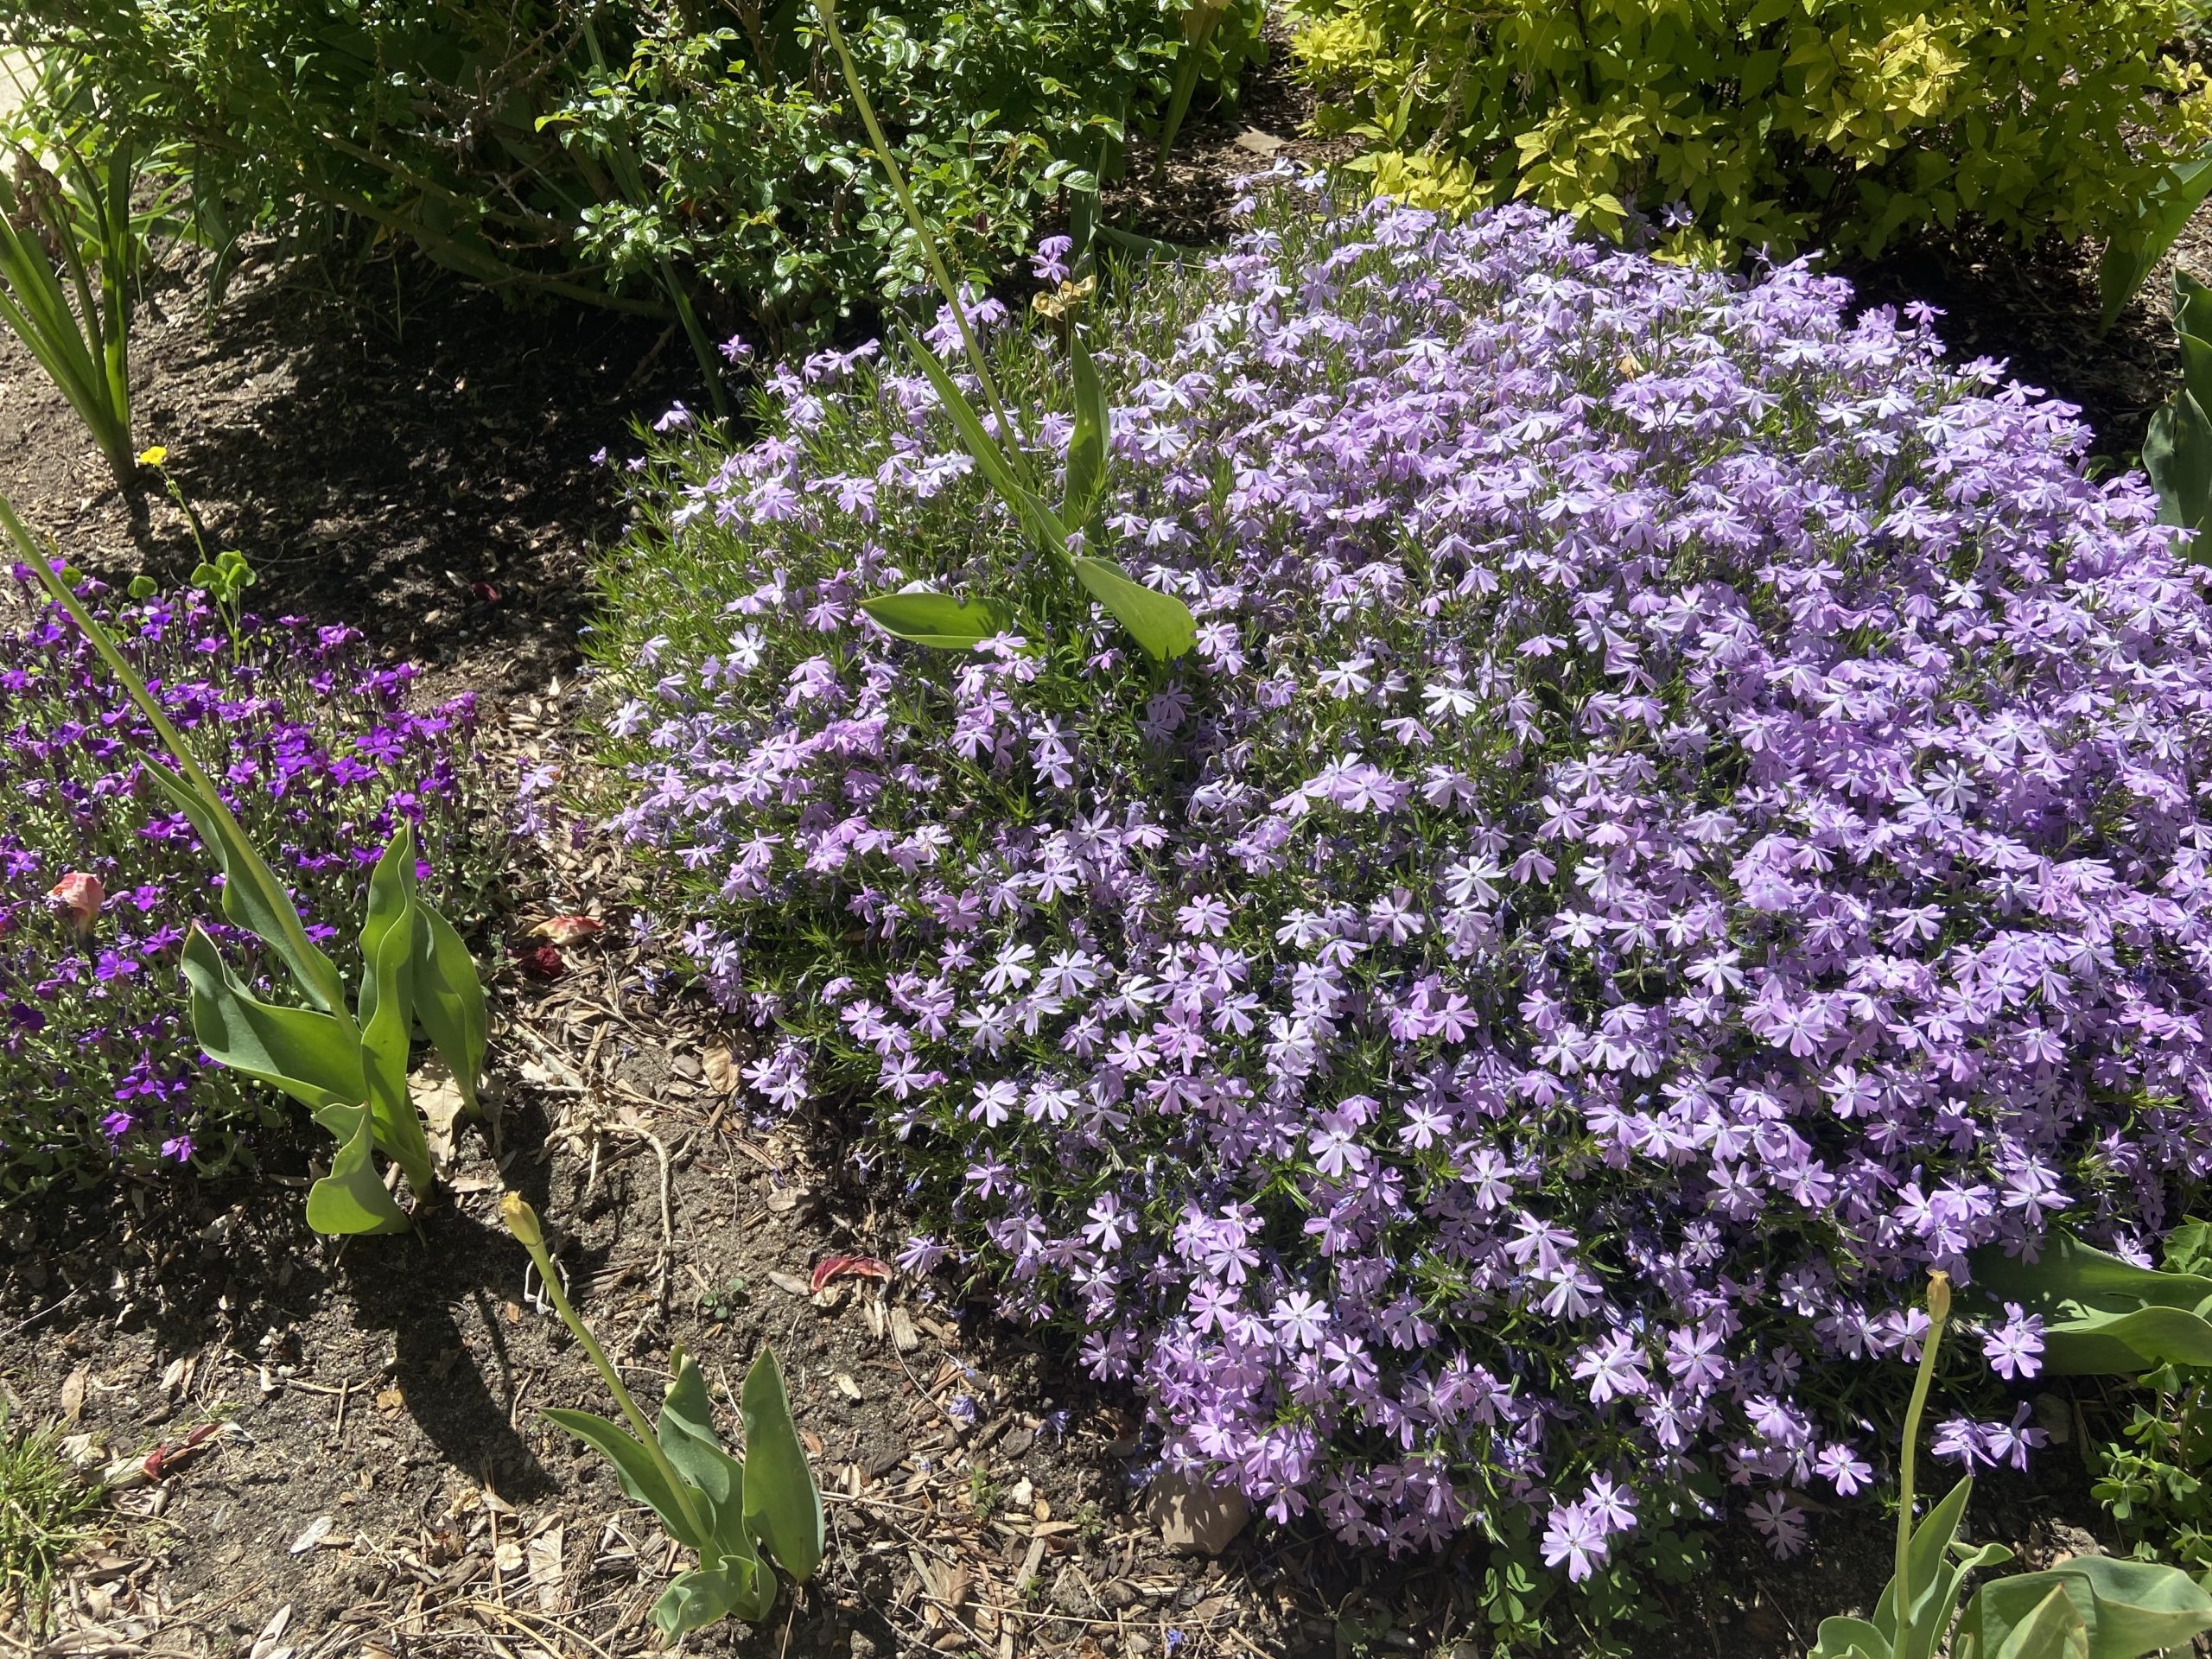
(1195, 1519)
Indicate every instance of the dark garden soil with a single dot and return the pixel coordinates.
(344, 1451)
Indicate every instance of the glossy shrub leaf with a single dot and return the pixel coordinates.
(634, 1467)
(782, 1505)
(315, 1057)
(252, 896)
(1160, 622)
(1087, 444)
(937, 620)
(2102, 1315)
(350, 1200)
(2125, 1609)
(2130, 256)
(385, 1008)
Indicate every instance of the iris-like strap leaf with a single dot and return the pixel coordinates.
(1160, 622)
(386, 1008)
(252, 896)
(314, 1057)
(450, 1000)
(2165, 210)
(1043, 525)
(634, 1467)
(1087, 445)
(782, 1505)
(937, 620)
(350, 1200)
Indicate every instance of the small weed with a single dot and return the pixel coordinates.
(44, 1507)
(1091, 1522)
(983, 1493)
(721, 1305)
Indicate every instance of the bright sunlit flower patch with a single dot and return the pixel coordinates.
(321, 753)
(1685, 812)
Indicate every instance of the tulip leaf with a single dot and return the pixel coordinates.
(782, 1505)
(252, 896)
(686, 1431)
(1843, 1637)
(2165, 210)
(2124, 1609)
(385, 1009)
(350, 1200)
(634, 1467)
(315, 1057)
(449, 1000)
(1160, 622)
(1935, 1588)
(2102, 1316)
(937, 620)
(695, 1599)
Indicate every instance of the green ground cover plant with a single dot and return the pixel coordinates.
(1776, 124)
(1495, 1035)
(46, 1510)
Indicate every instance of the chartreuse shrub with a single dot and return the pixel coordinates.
(1681, 816)
(638, 152)
(320, 756)
(1767, 124)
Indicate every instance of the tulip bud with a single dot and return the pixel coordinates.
(1939, 1297)
(77, 897)
(521, 1220)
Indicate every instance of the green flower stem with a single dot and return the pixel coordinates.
(104, 643)
(521, 1221)
(1939, 1309)
(826, 10)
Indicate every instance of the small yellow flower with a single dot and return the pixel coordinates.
(155, 456)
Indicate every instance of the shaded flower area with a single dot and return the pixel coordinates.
(319, 755)
(1685, 813)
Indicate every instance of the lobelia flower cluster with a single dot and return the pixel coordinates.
(320, 753)
(1685, 813)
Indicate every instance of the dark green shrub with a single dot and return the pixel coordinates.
(615, 151)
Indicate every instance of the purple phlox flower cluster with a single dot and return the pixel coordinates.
(1684, 815)
(319, 752)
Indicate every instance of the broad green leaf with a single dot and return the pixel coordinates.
(1928, 1555)
(252, 896)
(2052, 1629)
(2102, 1315)
(386, 1008)
(2126, 1608)
(2165, 209)
(1160, 622)
(937, 620)
(350, 1200)
(634, 1467)
(1843, 1637)
(695, 1599)
(686, 1430)
(782, 1505)
(999, 470)
(314, 1057)
(1938, 1604)
(449, 1000)
(1087, 444)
